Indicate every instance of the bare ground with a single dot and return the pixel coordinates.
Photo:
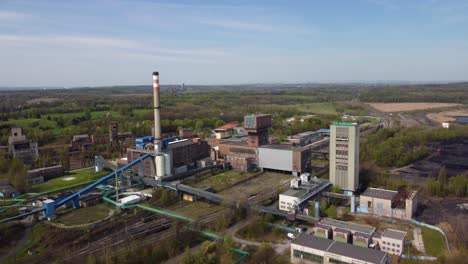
(404, 107)
(447, 116)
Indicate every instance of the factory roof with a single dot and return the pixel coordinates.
(380, 193)
(395, 234)
(341, 230)
(310, 241)
(304, 134)
(361, 235)
(295, 192)
(227, 127)
(339, 248)
(280, 147)
(348, 225)
(355, 252)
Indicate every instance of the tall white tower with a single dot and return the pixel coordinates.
(344, 155)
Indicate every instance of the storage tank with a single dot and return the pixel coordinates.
(168, 163)
(160, 164)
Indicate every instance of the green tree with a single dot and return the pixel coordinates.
(331, 211)
(443, 182)
(18, 175)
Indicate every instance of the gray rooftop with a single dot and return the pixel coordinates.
(295, 192)
(339, 248)
(310, 241)
(349, 226)
(361, 253)
(395, 234)
(380, 193)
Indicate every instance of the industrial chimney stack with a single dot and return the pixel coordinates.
(157, 115)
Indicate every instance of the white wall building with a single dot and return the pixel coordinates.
(393, 241)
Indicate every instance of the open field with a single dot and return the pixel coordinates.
(223, 180)
(44, 100)
(84, 215)
(68, 180)
(266, 182)
(433, 242)
(404, 107)
(447, 116)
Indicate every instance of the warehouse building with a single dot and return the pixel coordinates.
(305, 138)
(400, 204)
(46, 173)
(284, 158)
(307, 249)
(344, 155)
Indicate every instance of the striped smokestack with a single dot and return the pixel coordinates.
(157, 114)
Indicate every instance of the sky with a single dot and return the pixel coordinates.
(116, 42)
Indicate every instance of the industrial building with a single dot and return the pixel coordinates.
(302, 190)
(400, 204)
(46, 173)
(252, 147)
(352, 228)
(284, 158)
(392, 241)
(6, 190)
(311, 249)
(305, 138)
(225, 131)
(344, 155)
(19, 147)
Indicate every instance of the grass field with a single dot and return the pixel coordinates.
(224, 179)
(84, 215)
(433, 242)
(318, 108)
(79, 177)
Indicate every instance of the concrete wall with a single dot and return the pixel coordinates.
(276, 159)
(286, 202)
(378, 206)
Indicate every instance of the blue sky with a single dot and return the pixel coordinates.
(91, 43)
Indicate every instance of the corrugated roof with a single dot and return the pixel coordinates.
(380, 193)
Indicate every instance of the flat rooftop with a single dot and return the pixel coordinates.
(311, 241)
(355, 252)
(395, 234)
(280, 147)
(339, 248)
(295, 192)
(365, 229)
(380, 193)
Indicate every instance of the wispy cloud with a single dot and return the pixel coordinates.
(257, 27)
(104, 42)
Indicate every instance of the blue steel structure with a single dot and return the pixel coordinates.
(49, 208)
